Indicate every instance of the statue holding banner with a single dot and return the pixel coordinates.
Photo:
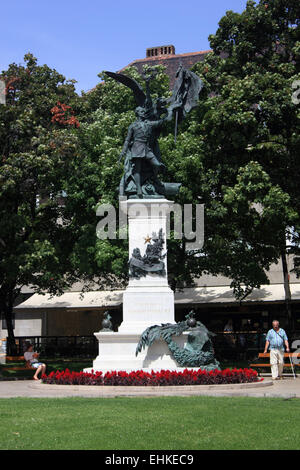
(141, 151)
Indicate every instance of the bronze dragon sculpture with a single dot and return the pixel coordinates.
(198, 352)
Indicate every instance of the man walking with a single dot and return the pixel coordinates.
(276, 339)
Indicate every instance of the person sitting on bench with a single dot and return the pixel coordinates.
(31, 358)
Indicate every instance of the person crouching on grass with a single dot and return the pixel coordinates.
(31, 358)
(276, 339)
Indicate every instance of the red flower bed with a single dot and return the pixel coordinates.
(164, 377)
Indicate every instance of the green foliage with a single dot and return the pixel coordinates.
(35, 159)
(250, 133)
(236, 153)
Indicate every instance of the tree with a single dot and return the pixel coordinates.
(36, 153)
(250, 129)
(236, 152)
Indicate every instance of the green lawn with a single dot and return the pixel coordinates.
(169, 423)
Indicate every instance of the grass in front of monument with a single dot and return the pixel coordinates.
(163, 423)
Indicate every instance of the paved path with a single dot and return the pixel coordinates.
(288, 388)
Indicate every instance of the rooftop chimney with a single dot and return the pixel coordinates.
(159, 51)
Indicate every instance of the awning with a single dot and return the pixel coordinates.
(72, 300)
(196, 295)
(224, 294)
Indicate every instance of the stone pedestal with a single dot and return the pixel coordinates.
(117, 352)
(147, 301)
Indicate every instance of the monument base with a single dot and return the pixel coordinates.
(147, 300)
(117, 353)
(146, 306)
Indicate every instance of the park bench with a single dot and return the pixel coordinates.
(286, 364)
(25, 366)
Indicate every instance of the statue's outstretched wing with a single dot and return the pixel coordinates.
(138, 92)
(176, 329)
(156, 332)
(148, 336)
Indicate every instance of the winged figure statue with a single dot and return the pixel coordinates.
(141, 153)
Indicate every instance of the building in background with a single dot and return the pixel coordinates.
(165, 55)
(75, 313)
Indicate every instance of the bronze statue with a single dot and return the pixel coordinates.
(198, 351)
(152, 261)
(106, 322)
(141, 150)
(141, 163)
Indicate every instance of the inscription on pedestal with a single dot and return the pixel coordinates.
(140, 307)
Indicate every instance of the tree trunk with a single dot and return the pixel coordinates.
(6, 307)
(11, 342)
(287, 289)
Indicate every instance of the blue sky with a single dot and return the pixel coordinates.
(80, 39)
